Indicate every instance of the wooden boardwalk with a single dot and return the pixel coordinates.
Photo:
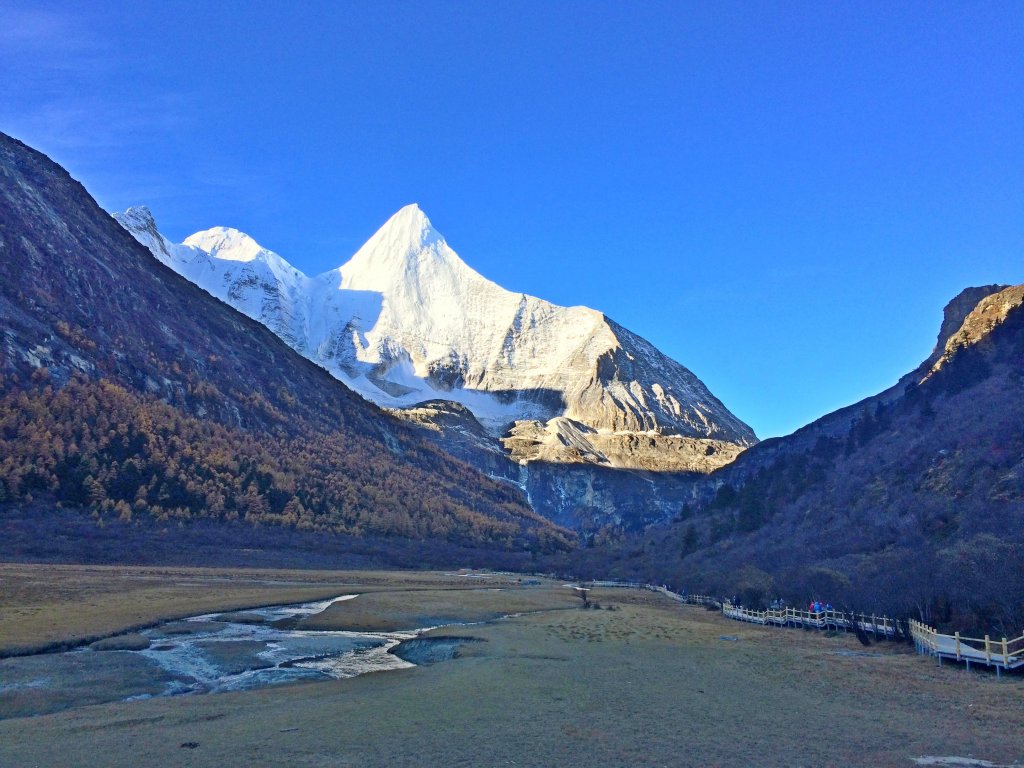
(999, 654)
(880, 626)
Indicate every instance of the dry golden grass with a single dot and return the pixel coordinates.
(650, 683)
(52, 605)
(390, 611)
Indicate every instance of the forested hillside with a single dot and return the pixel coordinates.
(129, 393)
(912, 501)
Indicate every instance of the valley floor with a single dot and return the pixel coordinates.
(649, 683)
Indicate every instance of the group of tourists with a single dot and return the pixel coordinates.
(817, 606)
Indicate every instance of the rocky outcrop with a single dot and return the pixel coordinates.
(585, 496)
(954, 314)
(593, 499)
(987, 314)
(564, 441)
(454, 428)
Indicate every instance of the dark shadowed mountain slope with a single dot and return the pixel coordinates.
(910, 500)
(128, 391)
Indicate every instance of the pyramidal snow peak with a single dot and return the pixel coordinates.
(407, 258)
(406, 320)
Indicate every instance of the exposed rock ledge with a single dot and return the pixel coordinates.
(565, 441)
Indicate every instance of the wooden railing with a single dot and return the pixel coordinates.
(699, 599)
(825, 619)
(1001, 654)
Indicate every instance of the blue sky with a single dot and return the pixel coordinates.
(781, 196)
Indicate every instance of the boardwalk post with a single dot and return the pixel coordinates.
(988, 651)
(1006, 656)
(957, 636)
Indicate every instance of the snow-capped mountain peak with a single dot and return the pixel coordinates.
(229, 245)
(406, 250)
(406, 320)
(408, 229)
(236, 269)
(226, 243)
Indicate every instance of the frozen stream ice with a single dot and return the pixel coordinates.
(212, 653)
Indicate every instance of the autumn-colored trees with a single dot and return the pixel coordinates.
(98, 445)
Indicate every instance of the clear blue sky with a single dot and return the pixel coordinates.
(780, 196)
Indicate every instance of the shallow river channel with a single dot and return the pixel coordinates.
(202, 654)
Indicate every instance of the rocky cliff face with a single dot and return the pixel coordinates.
(954, 314)
(588, 497)
(405, 320)
(977, 325)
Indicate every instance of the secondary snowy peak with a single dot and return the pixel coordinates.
(228, 244)
(236, 269)
(225, 244)
(406, 320)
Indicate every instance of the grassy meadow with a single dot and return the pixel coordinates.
(641, 681)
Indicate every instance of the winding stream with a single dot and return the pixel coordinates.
(210, 653)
